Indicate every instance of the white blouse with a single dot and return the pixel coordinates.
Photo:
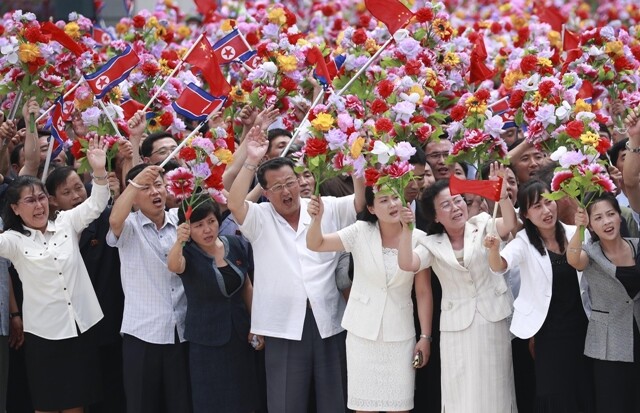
(57, 290)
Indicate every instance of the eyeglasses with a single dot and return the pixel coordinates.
(31, 201)
(280, 187)
(458, 201)
(165, 150)
(434, 156)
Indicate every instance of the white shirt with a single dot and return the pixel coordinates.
(287, 273)
(154, 300)
(57, 290)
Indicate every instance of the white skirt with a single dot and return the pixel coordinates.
(380, 376)
(477, 369)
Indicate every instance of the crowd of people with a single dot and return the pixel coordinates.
(290, 292)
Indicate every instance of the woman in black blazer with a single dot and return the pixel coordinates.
(609, 262)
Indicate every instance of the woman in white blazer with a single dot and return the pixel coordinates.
(552, 302)
(613, 335)
(477, 369)
(381, 336)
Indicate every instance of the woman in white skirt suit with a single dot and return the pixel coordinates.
(475, 346)
(381, 336)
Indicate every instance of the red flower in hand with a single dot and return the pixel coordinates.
(315, 147)
(371, 176)
(574, 129)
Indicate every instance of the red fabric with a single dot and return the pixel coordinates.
(130, 107)
(203, 58)
(205, 7)
(571, 56)
(552, 16)
(61, 37)
(315, 57)
(478, 70)
(392, 13)
(586, 90)
(489, 189)
(571, 40)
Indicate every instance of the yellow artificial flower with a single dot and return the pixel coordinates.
(28, 52)
(224, 155)
(511, 78)
(555, 39)
(614, 49)
(323, 122)
(152, 22)
(164, 67)
(545, 62)
(227, 25)
(116, 94)
(72, 30)
(475, 106)
(238, 95)
(287, 63)
(451, 59)
(277, 16)
(537, 99)
(590, 138)
(183, 31)
(83, 104)
(160, 32)
(122, 28)
(582, 106)
(417, 89)
(505, 8)
(154, 125)
(360, 7)
(431, 78)
(371, 46)
(302, 42)
(518, 22)
(356, 147)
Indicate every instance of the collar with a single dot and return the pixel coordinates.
(51, 227)
(144, 221)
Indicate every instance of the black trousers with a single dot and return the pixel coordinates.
(156, 376)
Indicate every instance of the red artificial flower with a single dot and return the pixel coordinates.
(138, 21)
(315, 147)
(522, 37)
(371, 176)
(246, 85)
(516, 98)
(252, 38)
(384, 125)
(338, 161)
(33, 34)
(544, 88)
(359, 36)
(327, 10)
(574, 129)
(353, 103)
(288, 84)
(150, 68)
(214, 181)
(166, 119)
(528, 64)
(604, 144)
(635, 50)
(385, 88)
(378, 106)
(605, 183)
(495, 28)
(482, 95)
(412, 67)
(415, 119)
(293, 38)
(337, 24)
(168, 37)
(622, 63)
(76, 149)
(364, 20)
(474, 137)
(1, 30)
(458, 112)
(559, 177)
(180, 183)
(291, 18)
(424, 132)
(397, 169)
(424, 15)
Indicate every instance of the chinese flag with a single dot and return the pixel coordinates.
(489, 189)
(478, 70)
(61, 37)
(392, 13)
(571, 40)
(203, 58)
(552, 16)
(586, 91)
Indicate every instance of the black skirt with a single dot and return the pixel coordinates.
(63, 374)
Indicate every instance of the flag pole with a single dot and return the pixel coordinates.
(188, 138)
(304, 120)
(16, 104)
(175, 70)
(113, 123)
(69, 92)
(244, 40)
(47, 162)
(365, 67)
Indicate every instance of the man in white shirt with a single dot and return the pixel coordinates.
(296, 304)
(154, 350)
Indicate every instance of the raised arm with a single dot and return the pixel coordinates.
(407, 259)
(7, 132)
(508, 222)
(631, 172)
(257, 145)
(137, 124)
(576, 257)
(124, 203)
(31, 142)
(316, 240)
(496, 262)
(175, 260)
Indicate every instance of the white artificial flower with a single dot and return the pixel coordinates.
(558, 153)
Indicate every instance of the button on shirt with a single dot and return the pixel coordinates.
(287, 272)
(154, 300)
(57, 290)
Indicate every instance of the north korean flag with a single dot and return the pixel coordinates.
(130, 107)
(230, 47)
(56, 126)
(113, 72)
(196, 104)
(250, 59)
(334, 64)
(101, 36)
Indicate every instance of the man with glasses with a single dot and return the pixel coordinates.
(437, 153)
(296, 304)
(156, 147)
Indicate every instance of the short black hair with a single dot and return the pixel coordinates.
(205, 205)
(275, 132)
(133, 172)
(614, 152)
(273, 165)
(146, 148)
(429, 205)
(14, 158)
(418, 158)
(57, 177)
(604, 130)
